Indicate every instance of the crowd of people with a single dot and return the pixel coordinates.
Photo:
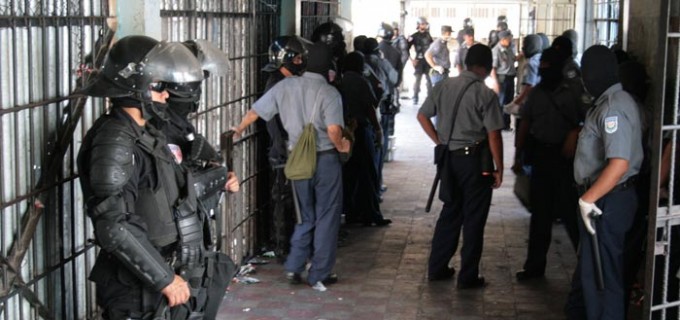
(580, 129)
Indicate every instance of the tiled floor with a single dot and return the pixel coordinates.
(383, 270)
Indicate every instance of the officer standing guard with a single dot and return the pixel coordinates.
(141, 202)
(421, 39)
(437, 56)
(608, 158)
(466, 184)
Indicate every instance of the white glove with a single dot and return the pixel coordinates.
(439, 69)
(588, 212)
(511, 108)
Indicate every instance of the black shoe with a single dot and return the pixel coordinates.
(444, 275)
(524, 275)
(383, 222)
(331, 279)
(474, 284)
(294, 278)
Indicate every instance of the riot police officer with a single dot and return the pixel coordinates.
(421, 39)
(502, 25)
(608, 158)
(140, 201)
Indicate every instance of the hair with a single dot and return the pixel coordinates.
(479, 55)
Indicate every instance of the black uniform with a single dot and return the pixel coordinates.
(135, 192)
(421, 41)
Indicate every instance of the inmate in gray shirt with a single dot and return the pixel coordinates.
(612, 130)
(440, 53)
(294, 99)
(479, 111)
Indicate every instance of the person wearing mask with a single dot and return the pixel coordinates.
(468, 36)
(550, 114)
(608, 158)
(142, 207)
(421, 40)
(300, 100)
(504, 71)
(465, 187)
(360, 176)
(437, 56)
(282, 64)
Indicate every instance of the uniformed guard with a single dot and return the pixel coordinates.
(437, 56)
(468, 37)
(467, 25)
(501, 25)
(549, 117)
(608, 158)
(504, 70)
(421, 40)
(141, 202)
(468, 137)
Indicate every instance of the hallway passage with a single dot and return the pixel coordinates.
(382, 270)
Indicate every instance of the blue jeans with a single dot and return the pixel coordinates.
(316, 238)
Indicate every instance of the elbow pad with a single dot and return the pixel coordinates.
(111, 161)
(135, 253)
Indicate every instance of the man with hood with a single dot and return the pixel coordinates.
(550, 114)
(608, 158)
(302, 100)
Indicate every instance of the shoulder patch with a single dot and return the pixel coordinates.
(611, 124)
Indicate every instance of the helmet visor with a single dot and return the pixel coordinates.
(172, 62)
(212, 58)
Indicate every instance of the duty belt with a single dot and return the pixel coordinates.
(582, 188)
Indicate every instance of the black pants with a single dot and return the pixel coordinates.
(506, 94)
(466, 194)
(421, 69)
(360, 180)
(553, 195)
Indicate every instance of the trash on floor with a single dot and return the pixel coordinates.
(247, 280)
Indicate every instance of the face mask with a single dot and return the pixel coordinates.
(154, 110)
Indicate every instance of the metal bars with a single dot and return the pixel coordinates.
(663, 240)
(243, 29)
(314, 13)
(42, 45)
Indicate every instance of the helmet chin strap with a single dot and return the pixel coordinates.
(151, 109)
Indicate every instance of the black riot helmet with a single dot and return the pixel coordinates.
(386, 31)
(502, 18)
(422, 21)
(184, 96)
(282, 53)
(135, 62)
(467, 23)
(330, 33)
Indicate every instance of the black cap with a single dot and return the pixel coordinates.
(320, 58)
(447, 29)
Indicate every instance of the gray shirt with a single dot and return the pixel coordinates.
(504, 60)
(479, 111)
(612, 130)
(294, 99)
(440, 53)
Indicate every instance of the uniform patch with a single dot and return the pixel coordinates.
(611, 124)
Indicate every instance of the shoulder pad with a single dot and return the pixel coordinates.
(111, 159)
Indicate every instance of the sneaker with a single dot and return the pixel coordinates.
(318, 286)
(294, 277)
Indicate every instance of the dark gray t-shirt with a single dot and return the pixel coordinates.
(479, 111)
(294, 99)
(612, 130)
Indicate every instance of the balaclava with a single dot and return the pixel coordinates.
(599, 70)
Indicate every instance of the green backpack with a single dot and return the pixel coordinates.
(301, 163)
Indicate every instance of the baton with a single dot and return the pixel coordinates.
(595, 246)
(430, 198)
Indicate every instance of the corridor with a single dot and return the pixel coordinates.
(382, 271)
